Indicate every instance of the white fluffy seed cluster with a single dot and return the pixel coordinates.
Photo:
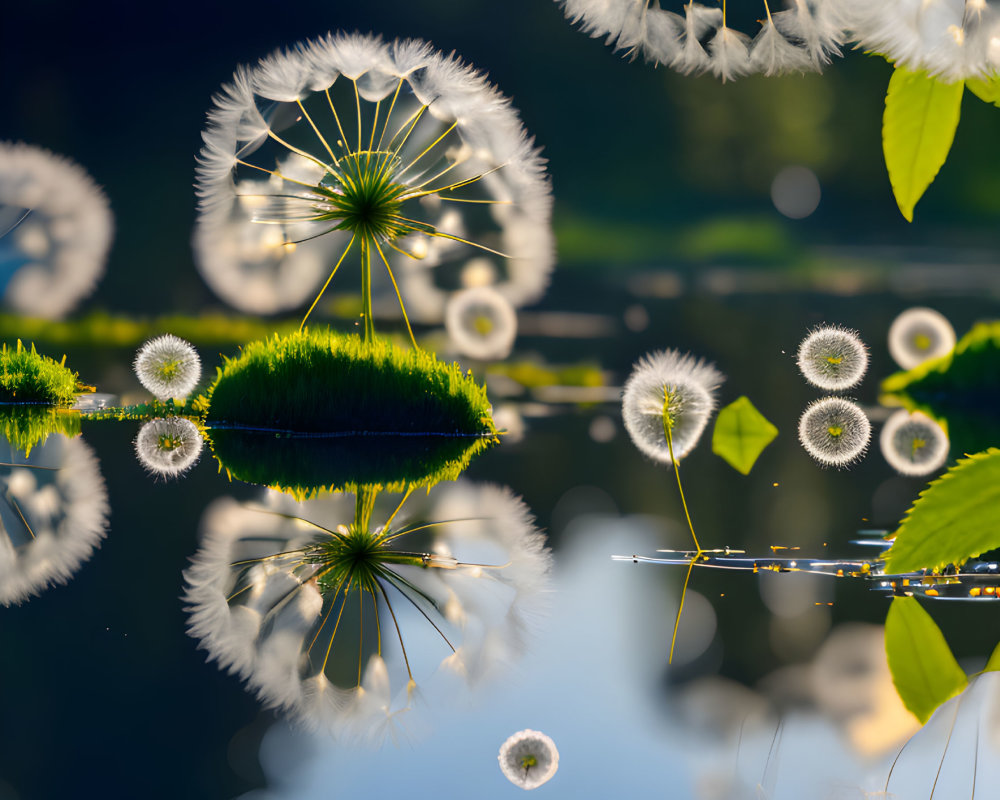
(913, 444)
(528, 759)
(481, 323)
(951, 39)
(55, 230)
(673, 383)
(168, 447)
(918, 335)
(168, 367)
(834, 431)
(833, 358)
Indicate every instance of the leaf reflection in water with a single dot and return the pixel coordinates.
(305, 601)
(53, 512)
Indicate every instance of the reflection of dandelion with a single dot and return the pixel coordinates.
(54, 511)
(528, 759)
(55, 229)
(168, 447)
(919, 334)
(834, 431)
(168, 367)
(310, 616)
(481, 322)
(913, 444)
(669, 389)
(833, 358)
(381, 150)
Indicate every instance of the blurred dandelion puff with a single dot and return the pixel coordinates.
(168, 447)
(481, 323)
(309, 615)
(168, 367)
(832, 358)
(913, 444)
(918, 335)
(55, 231)
(834, 431)
(347, 145)
(528, 759)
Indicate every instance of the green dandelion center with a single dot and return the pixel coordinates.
(835, 431)
(922, 341)
(483, 325)
(528, 762)
(355, 559)
(168, 369)
(917, 444)
(168, 442)
(834, 360)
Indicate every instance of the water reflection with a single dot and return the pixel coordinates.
(333, 609)
(53, 513)
(169, 446)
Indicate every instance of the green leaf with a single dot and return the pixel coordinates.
(987, 91)
(741, 434)
(923, 668)
(921, 115)
(993, 665)
(954, 519)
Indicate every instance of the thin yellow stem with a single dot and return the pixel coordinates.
(314, 302)
(336, 625)
(680, 608)
(299, 151)
(427, 149)
(392, 516)
(318, 134)
(388, 115)
(392, 613)
(276, 173)
(399, 296)
(343, 138)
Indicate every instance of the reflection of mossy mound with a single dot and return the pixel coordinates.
(303, 466)
(332, 383)
(27, 377)
(25, 426)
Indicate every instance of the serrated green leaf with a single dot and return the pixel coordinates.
(923, 668)
(993, 665)
(987, 91)
(741, 434)
(921, 115)
(954, 519)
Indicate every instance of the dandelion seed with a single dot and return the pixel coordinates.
(914, 444)
(168, 367)
(55, 230)
(918, 335)
(54, 513)
(528, 759)
(669, 388)
(168, 447)
(481, 323)
(834, 431)
(390, 154)
(833, 358)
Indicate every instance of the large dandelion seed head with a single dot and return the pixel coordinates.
(168, 367)
(481, 323)
(914, 444)
(669, 388)
(920, 334)
(55, 231)
(390, 146)
(833, 358)
(528, 759)
(168, 447)
(834, 431)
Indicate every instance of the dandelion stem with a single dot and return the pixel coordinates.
(334, 272)
(17, 508)
(316, 130)
(340, 128)
(336, 625)
(680, 609)
(427, 149)
(399, 297)
(366, 287)
(299, 152)
(399, 635)
(392, 105)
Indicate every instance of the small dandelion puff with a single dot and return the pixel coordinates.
(913, 444)
(834, 431)
(528, 759)
(481, 322)
(674, 389)
(833, 358)
(168, 447)
(168, 367)
(920, 334)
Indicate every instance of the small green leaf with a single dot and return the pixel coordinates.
(954, 519)
(741, 434)
(987, 91)
(923, 668)
(993, 665)
(921, 115)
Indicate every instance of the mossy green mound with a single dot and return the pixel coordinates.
(27, 377)
(324, 382)
(26, 426)
(306, 466)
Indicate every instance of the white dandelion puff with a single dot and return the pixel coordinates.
(168, 447)
(669, 389)
(528, 759)
(833, 358)
(920, 334)
(55, 231)
(54, 513)
(481, 323)
(730, 51)
(168, 367)
(834, 431)
(913, 444)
